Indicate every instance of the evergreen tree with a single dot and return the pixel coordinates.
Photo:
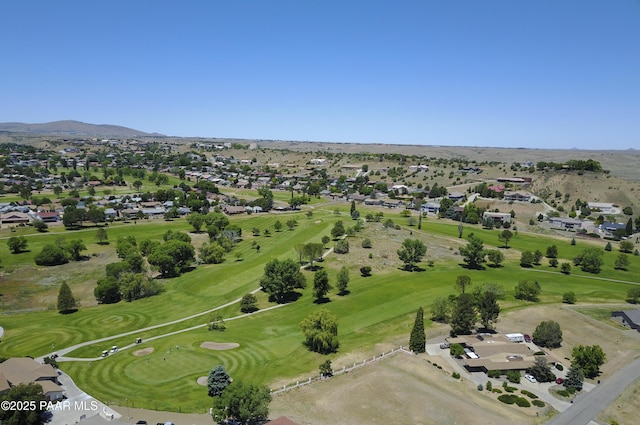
(418, 339)
(629, 227)
(463, 316)
(217, 381)
(321, 284)
(66, 301)
(575, 378)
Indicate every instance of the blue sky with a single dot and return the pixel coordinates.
(529, 73)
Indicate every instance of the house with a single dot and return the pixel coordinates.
(24, 370)
(373, 201)
(517, 196)
(603, 207)
(48, 216)
(497, 217)
(157, 212)
(431, 207)
(14, 218)
(456, 196)
(629, 318)
(110, 213)
(565, 223)
(485, 352)
(231, 210)
(609, 228)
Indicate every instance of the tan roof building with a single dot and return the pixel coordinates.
(494, 352)
(24, 370)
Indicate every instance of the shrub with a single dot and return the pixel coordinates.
(456, 375)
(513, 376)
(569, 297)
(51, 255)
(366, 243)
(365, 271)
(494, 374)
(342, 247)
(480, 388)
(507, 398)
(559, 367)
(539, 353)
(529, 394)
(538, 403)
(523, 402)
(496, 390)
(489, 386)
(563, 393)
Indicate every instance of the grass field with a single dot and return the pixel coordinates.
(379, 309)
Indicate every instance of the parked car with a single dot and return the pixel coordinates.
(141, 423)
(527, 338)
(530, 378)
(559, 381)
(444, 345)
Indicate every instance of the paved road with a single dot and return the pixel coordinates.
(588, 405)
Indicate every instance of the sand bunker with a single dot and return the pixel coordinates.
(219, 345)
(143, 352)
(202, 381)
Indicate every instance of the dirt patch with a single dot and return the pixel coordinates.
(399, 389)
(218, 346)
(143, 352)
(202, 381)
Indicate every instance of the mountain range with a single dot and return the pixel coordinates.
(74, 128)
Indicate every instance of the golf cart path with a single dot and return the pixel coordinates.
(61, 352)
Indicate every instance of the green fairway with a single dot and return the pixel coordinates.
(379, 309)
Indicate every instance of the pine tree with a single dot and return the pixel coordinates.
(66, 301)
(418, 339)
(217, 381)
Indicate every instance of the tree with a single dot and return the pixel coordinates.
(66, 302)
(622, 262)
(74, 248)
(527, 290)
(28, 393)
(277, 225)
(418, 338)
(281, 278)
(325, 240)
(217, 381)
(365, 271)
(320, 329)
(473, 253)
(101, 235)
(527, 259)
(196, 220)
(246, 404)
(325, 369)
(575, 378)
(343, 280)
(366, 243)
(589, 359)
(341, 247)
(608, 246)
(633, 295)
(249, 303)
(553, 262)
(172, 257)
(313, 251)
(626, 246)
(212, 253)
(495, 256)
(565, 268)
(338, 229)
(40, 226)
(291, 223)
(456, 350)
(463, 316)
(552, 251)
(488, 309)
(462, 282)
(537, 257)
(95, 214)
(107, 291)
(541, 370)
(548, 334)
(17, 244)
(72, 216)
(411, 253)
(440, 310)
(590, 260)
(51, 255)
(505, 236)
(569, 297)
(629, 227)
(321, 285)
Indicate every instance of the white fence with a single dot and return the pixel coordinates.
(345, 369)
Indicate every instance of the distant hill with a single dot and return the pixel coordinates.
(74, 128)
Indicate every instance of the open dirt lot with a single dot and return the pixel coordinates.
(407, 389)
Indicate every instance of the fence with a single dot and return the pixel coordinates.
(345, 369)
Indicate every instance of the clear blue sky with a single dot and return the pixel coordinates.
(513, 73)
